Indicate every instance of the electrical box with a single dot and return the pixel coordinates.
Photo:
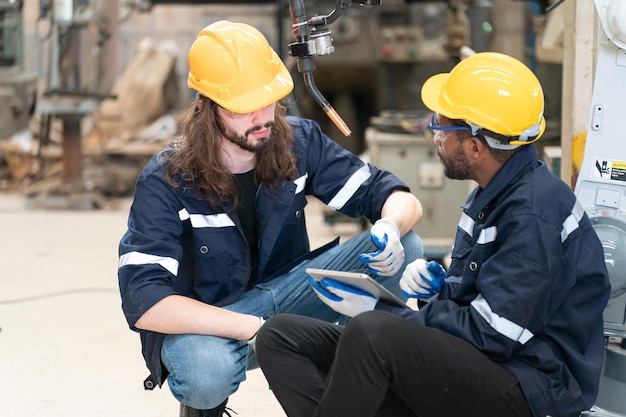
(413, 158)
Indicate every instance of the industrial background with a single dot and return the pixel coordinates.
(90, 89)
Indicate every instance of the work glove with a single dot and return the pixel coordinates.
(342, 298)
(390, 258)
(422, 279)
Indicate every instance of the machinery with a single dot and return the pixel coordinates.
(18, 89)
(317, 41)
(375, 59)
(601, 188)
(64, 97)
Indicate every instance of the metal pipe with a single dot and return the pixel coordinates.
(298, 20)
(328, 109)
(306, 65)
(340, 8)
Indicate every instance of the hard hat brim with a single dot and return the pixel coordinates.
(261, 97)
(431, 92)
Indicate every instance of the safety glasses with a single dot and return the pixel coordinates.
(494, 139)
(433, 125)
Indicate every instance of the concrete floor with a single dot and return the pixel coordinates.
(65, 348)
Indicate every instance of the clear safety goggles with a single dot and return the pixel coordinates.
(433, 125)
(494, 139)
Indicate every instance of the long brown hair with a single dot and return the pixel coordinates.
(197, 156)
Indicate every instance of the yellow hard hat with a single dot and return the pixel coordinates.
(497, 95)
(234, 65)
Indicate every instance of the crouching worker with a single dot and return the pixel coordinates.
(513, 328)
(217, 239)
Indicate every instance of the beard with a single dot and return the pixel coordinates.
(242, 140)
(457, 166)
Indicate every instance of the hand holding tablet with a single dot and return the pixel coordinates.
(357, 280)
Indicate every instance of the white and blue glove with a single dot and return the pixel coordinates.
(342, 298)
(390, 258)
(422, 279)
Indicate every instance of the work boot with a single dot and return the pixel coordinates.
(219, 411)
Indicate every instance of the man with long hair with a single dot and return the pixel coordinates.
(217, 239)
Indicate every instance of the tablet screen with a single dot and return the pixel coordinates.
(359, 280)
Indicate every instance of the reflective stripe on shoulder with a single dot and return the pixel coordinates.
(139, 258)
(301, 183)
(487, 235)
(571, 223)
(466, 223)
(350, 187)
(206, 220)
(500, 324)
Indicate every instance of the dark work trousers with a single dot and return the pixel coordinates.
(384, 366)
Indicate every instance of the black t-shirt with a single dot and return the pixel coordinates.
(247, 189)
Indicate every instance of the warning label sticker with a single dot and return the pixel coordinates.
(609, 169)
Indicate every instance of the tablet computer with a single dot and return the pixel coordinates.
(359, 280)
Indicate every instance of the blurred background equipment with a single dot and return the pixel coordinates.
(112, 78)
(63, 94)
(317, 41)
(601, 188)
(18, 89)
(382, 54)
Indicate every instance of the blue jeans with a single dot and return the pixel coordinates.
(204, 370)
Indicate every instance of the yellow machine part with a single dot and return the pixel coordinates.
(578, 151)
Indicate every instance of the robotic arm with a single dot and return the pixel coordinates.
(313, 38)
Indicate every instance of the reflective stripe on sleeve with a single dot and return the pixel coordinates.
(350, 187)
(571, 223)
(500, 324)
(139, 258)
(466, 223)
